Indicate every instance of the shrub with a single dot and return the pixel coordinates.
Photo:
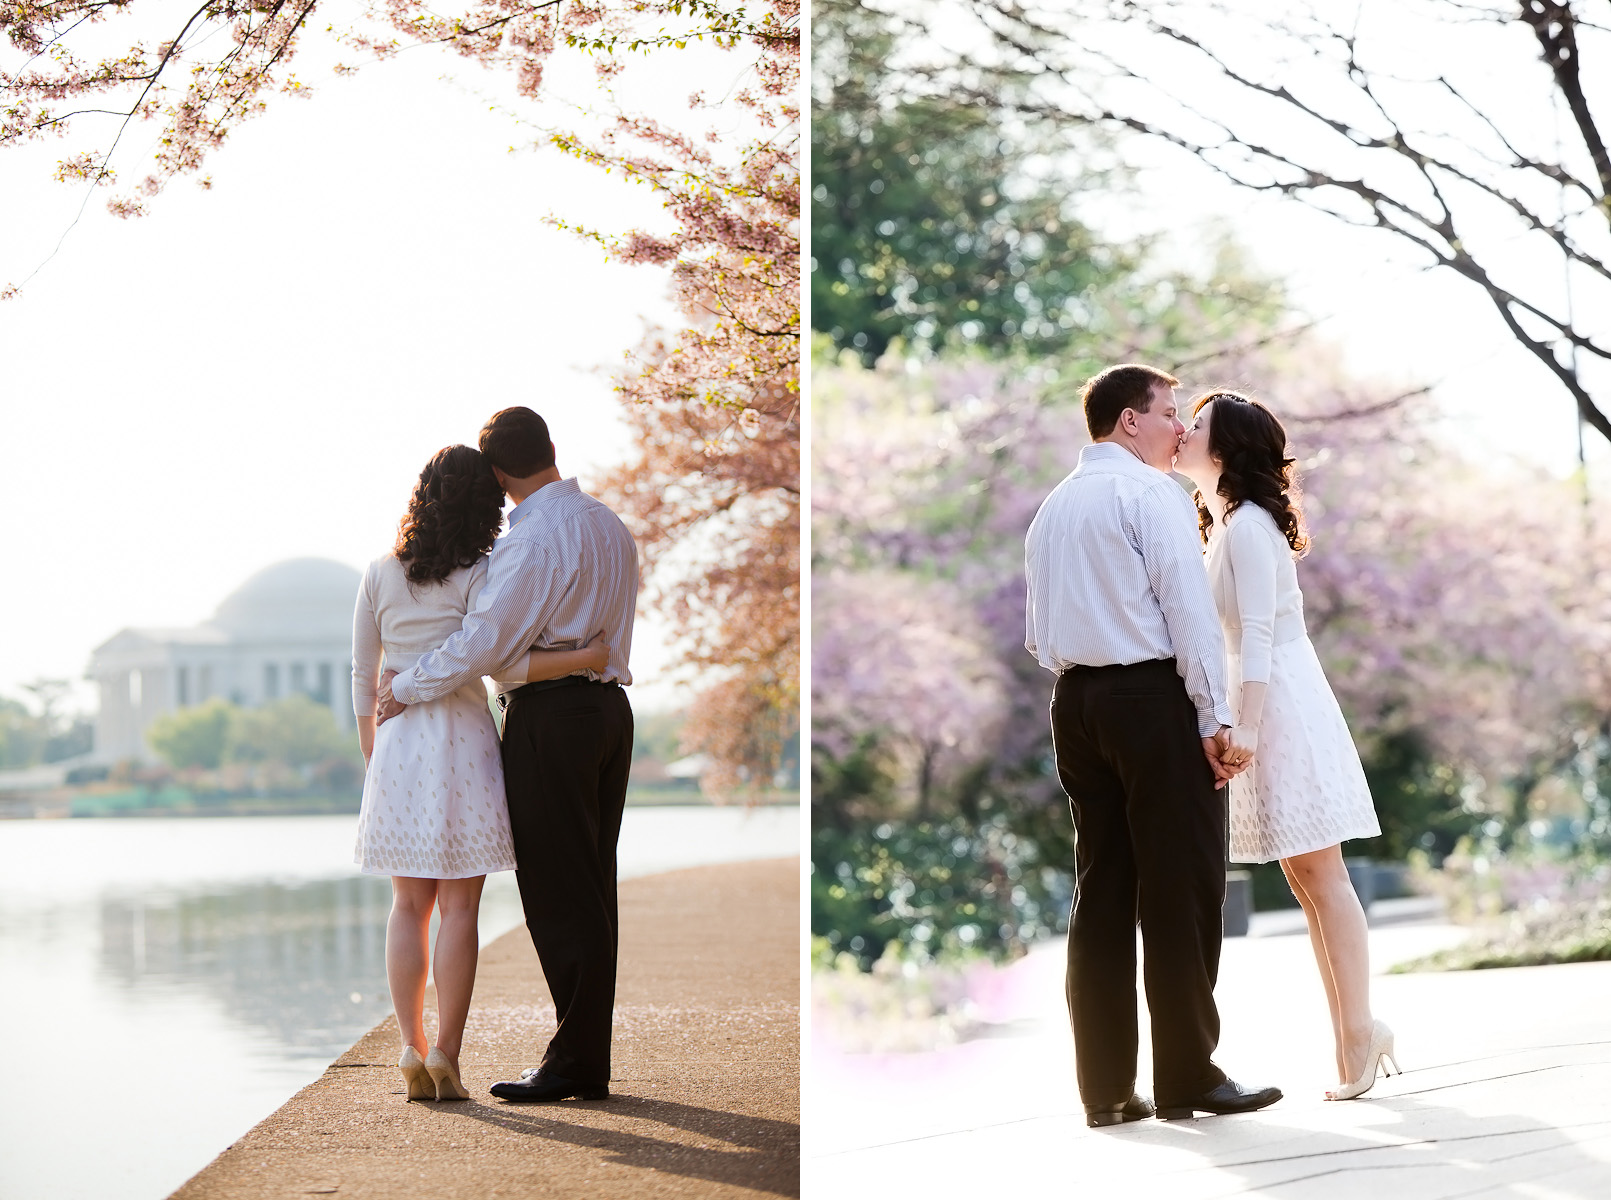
(944, 890)
(193, 737)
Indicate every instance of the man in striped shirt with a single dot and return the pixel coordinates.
(566, 570)
(1119, 608)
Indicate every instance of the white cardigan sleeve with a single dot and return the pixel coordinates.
(1253, 564)
(366, 648)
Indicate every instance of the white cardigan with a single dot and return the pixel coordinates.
(395, 625)
(1255, 585)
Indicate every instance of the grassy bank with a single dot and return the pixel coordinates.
(172, 801)
(1572, 932)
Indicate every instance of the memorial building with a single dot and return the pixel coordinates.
(286, 630)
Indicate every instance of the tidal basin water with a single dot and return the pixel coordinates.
(166, 984)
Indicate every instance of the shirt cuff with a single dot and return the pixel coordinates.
(403, 688)
(1208, 719)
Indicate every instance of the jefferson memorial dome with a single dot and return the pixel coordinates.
(295, 598)
(287, 629)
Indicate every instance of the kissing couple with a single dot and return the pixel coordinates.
(1153, 723)
(545, 611)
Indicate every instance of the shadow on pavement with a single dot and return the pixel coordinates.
(1431, 1150)
(766, 1157)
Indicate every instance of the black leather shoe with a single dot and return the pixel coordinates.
(1136, 1108)
(1228, 1097)
(536, 1086)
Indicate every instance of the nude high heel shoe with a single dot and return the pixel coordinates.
(1381, 1048)
(415, 1075)
(444, 1076)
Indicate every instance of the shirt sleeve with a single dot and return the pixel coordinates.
(512, 607)
(1253, 574)
(1029, 591)
(1164, 527)
(366, 648)
(476, 583)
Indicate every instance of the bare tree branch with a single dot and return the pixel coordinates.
(1337, 167)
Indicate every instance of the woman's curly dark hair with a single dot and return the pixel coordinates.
(453, 515)
(1251, 447)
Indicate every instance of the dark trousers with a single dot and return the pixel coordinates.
(566, 755)
(1149, 847)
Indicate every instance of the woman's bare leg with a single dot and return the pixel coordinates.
(408, 932)
(1346, 940)
(1318, 944)
(457, 947)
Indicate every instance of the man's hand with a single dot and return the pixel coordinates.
(1213, 752)
(387, 706)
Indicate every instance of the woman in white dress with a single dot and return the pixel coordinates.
(1304, 792)
(434, 816)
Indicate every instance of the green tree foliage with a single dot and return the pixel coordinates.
(28, 738)
(658, 735)
(193, 737)
(22, 735)
(1418, 802)
(943, 221)
(930, 221)
(297, 731)
(942, 889)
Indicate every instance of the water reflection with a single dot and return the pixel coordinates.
(305, 963)
(201, 971)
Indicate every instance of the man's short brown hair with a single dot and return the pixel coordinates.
(1115, 389)
(516, 441)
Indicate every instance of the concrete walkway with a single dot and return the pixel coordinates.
(704, 1100)
(1506, 1092)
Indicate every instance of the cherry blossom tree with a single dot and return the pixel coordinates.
(713, 495)
(88, 70)
(1462, 603)
(906, 658)
(716, 409)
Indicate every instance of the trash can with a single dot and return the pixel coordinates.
(1362, 874)
(1238, 902)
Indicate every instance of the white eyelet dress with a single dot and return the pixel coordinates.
(1305, 789)
(433, 804)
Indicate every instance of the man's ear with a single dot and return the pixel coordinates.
(1127, 419)
(503, 480)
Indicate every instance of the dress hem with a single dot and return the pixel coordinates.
(364, 869)
(1347, 837)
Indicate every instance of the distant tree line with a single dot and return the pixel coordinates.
(294, 740)
(29, 737)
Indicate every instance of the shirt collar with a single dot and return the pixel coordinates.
(542, 497)
(1111, 455)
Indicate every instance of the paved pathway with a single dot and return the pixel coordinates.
(1506, 1092)
(705, 1099)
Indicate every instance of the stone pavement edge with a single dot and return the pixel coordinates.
(704, 1099)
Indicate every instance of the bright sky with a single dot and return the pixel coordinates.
(259, 372)
(1391, 317)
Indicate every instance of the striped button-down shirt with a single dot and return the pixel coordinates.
(1116, 575)
(566, 570)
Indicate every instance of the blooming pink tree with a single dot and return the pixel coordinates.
(904, 658)
(1460, 601)
(716, 407)
(713, 494)
(88, 70)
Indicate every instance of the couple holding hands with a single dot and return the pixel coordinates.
(1174, 682)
